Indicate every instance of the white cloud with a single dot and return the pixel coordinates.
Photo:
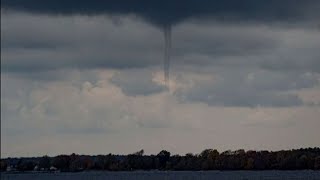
(97, 117)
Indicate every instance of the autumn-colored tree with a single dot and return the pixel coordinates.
(317, 163)
(3, 165)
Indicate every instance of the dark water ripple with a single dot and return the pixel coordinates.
(171, 175)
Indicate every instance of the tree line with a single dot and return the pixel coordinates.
(209, 159)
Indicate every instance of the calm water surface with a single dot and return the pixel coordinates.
(156, 175)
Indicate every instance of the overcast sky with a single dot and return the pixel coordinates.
(87, 76)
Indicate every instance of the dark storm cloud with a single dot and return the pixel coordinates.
(42, 43)
(173, 11)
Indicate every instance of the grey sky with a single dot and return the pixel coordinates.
(94, 84)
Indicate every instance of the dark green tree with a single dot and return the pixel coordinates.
(163, 157)
(44, 162)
